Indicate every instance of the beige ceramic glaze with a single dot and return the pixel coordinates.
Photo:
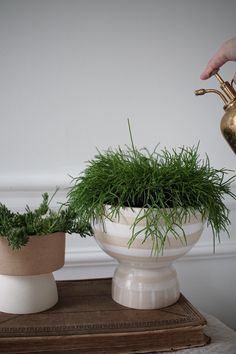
(143, 280)
(41, 255)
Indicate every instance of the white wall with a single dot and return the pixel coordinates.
(72, 72)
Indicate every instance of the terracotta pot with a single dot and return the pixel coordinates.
(41, 255)
(26, 280)
(142, 279)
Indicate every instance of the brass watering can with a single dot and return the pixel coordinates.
(228, 121)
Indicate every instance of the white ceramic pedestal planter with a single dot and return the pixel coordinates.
(27, 294)
(27, 284)
(143, 280)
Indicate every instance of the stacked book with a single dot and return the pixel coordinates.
(87, 320)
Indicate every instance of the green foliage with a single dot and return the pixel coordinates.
(166, 185)
(17, 227)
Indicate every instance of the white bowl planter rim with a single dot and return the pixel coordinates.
(113, 212)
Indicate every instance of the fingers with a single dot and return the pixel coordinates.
(226, 52)
(214, 64)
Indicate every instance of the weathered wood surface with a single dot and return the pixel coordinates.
(87, 320)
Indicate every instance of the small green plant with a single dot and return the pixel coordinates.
(17, 227)
(166, 185)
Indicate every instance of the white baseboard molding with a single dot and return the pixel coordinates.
(92, 262)
(87, 257)
(95, 257)
(200, 251)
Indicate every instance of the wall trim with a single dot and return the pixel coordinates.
(33, 182)
(36, 182)
(94, 256)
(225, 249)
(87, 256)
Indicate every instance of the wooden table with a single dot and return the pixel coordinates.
(87, 320)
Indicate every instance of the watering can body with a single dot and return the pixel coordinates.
(228, 121)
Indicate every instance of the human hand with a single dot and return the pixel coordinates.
(227, 52)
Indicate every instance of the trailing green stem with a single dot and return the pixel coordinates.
(17, 227)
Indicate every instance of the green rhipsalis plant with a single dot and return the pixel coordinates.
(166, 185)
(17, 227)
